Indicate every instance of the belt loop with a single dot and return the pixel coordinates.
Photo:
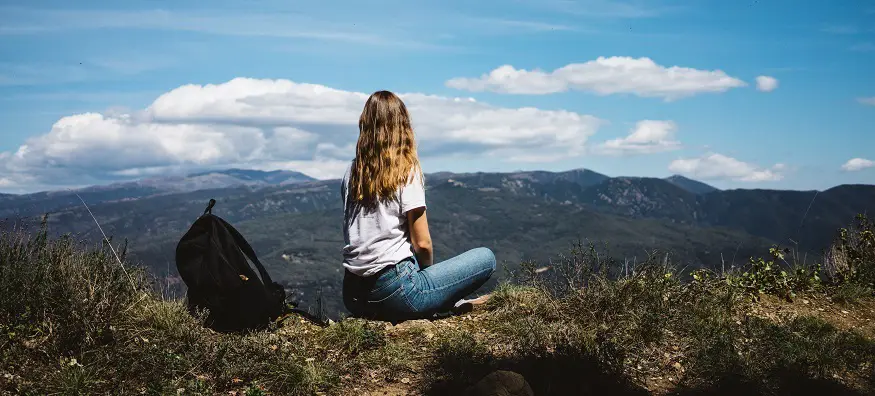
(411, 263)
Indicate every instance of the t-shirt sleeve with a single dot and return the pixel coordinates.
(412, 195)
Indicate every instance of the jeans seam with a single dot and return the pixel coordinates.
(384, 286)
(455, 283)
(392, 294)
(407, 299)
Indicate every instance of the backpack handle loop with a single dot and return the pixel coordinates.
(209, 208)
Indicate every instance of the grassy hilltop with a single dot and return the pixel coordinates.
(74, 321)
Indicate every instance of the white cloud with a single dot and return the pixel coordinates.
(867, 101)
(766, 83)
(276, 123)
(604, 76)
(715, 166)
(856, 164)
(648, 136)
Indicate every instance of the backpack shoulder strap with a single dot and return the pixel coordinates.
(247, 250)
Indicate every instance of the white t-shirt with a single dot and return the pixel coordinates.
(376, 238)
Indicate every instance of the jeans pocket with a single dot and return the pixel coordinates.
(377, 298)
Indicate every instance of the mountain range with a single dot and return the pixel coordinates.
(48, 201)
(294, 221)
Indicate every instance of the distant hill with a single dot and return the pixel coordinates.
(221, 179)
(259, 177)
(25, 205)
(789, 217)
(38, 203)
(582, 177)
(643, 197)
(562, 187)
(693, 186)
(773, 214)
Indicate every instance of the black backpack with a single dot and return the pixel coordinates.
(211, 259)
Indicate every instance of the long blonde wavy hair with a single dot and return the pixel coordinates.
(386, 157)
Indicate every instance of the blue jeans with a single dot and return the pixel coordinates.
(405, 291)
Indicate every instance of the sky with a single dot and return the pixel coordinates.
(774, 94)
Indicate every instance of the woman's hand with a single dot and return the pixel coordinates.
(420, 238)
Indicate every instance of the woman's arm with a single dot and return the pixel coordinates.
(420, 237)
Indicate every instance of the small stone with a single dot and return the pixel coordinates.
(405, 380)
(845, 312)
(501, 383)
(804, 301)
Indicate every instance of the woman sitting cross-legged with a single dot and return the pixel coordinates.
(388, 257)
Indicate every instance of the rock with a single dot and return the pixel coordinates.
(411, 324)
(501, 383)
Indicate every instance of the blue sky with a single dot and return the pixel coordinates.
(92, 92)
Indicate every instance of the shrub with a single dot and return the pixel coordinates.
(776, 276)
(851, 258)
